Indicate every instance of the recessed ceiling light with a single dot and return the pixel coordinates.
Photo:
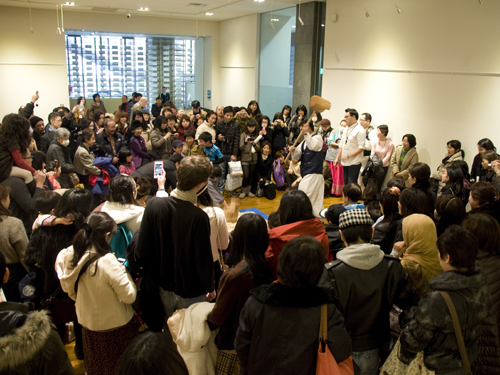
(259, 1)
(70, 4)
(209, 14)
(322, 25)
(275, 19)
(143, 9)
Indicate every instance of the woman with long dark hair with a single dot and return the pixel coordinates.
(253, 108)
(477, 170)
(296, 122)
(248, 270)
(453, 180)
(103, 292)
(449, 210)
(419, 175)
(385, 230)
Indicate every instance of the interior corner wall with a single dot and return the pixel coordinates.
(37, 61)
(433, 70)
(238, 60)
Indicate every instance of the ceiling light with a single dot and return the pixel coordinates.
(275, 19)
(259, 1)
(68, 4)
(322, 25)
(209, 14)
(143, 9)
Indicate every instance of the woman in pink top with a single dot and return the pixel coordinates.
(382, 147)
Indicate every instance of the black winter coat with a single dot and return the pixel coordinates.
(279, 327)
(488, 362)
(103, 145)
(231, 132)
(280, 134)
(428, 327)
(334, 241)
(384, 234)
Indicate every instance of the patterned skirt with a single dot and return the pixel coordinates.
(227, 363)
(102, 350)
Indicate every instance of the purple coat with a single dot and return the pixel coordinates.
(138, 149)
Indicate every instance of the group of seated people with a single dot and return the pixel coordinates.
(154, 281)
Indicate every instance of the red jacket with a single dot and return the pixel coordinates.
(279, 236)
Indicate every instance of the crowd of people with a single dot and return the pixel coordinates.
(143, 271)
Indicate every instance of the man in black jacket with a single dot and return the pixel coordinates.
(169, 165)
(228, 140)
(364, 284)
(109, 142)
(174, 241)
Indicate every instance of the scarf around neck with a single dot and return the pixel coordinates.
(188, 196)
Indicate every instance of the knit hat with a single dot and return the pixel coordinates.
(34, 120)
(354, 217)
(332, 213)
(177, 143)
(325, 121)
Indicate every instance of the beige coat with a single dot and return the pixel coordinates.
(438, 174)
(410, 158)
(84, 162)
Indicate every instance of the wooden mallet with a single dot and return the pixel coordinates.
(318, 104)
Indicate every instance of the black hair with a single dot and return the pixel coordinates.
(53, 165)
(4, 194)
(96, 117)
(38, 159)
(384, 129)
(397, 182)
(373, 209)
(159, 121)
(273, 220)
(295, 206)
(301, 262)
(257, 111)
(210, 113)
(76, 202)
(47, 201)
(87, 134)
(84, 123)
(15, 129)
(228, 109)
(3, 268)
(355, 233)
(176, 158)
(121, 190)
(421, 172)
(413, 202)
(352, 191)
(289, 109)
(189, 133)
(123, 154)
(487, 144)
(462, 164)
(144, 186)
(95, 96)
(486, 230)
(368, 117)
(411, 140)
(450, 210)
(483, 192)
(93, 235)
(456, 145)
(303, 108)
(151, 353)
(353, 112)
(250, 240)
(278, 116)
(54, 115)
(216, 172)
(206, 137)
(262, 118)
(455, 180)
(389, 204)
(205, 199)
(460, 245)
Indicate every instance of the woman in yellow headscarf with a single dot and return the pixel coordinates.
(420, 256)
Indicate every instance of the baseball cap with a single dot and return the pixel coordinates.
(332, 213)
(177, 143)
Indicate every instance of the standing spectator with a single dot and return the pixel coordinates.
(228, 141)
(161, 138)
(279, 132)
(97, 104)
(59, 151)
(123, 105)
(165, 96)
(156, 108)
(382, 147)
(248, 149)
(324, 131)
(135, 99)
(38, 130)
(296, 123)
(208, 125)
(336, 169)
(84, 158)
(351, 147)
(55, 123)
(174, 241)
(103, 291)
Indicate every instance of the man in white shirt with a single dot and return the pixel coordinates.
(351, 146)
(310, 152)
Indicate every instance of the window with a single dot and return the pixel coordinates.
(114, 65)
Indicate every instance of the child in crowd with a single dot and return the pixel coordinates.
(127, 166)
(191, 147)
(15, 138)
(212, 186)
(429, 327)
(331, 216)
(45, 203)
(351, 194)
(184, 127)
(53, 172)
(212, 151)
(273, 221)
(177, 147)
(278, 169)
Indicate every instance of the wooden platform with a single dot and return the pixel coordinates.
(263, 204)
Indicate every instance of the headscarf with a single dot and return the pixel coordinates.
(420, 236)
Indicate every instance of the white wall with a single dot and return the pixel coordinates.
(433, 70)
(238, 60)
(30, 62)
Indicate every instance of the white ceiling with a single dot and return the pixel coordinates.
(221, 9)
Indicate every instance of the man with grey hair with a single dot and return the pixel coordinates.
(139, 106)
(59, 151)
(109, 142)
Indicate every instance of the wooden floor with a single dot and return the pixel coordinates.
(265, 205)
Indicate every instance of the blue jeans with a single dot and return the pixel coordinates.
(173, 302)
(351, 173)
(368, 361)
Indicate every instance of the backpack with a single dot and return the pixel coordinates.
(270, 190)
(120, 240)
